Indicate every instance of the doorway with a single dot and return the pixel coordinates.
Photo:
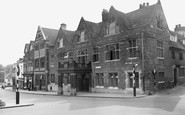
(83, 82)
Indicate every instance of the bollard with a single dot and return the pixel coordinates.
(17, 97)
(134, 89)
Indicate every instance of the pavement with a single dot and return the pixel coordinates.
(128, 95)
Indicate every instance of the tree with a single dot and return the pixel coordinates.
(2, 75)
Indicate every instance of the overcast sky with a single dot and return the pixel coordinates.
(20, 18)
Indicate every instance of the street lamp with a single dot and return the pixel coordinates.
(134, 77)
(17, 91)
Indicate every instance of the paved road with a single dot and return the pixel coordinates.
(170, 103)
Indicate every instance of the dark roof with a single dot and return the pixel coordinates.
(120, 14)
(10, 75)
(51, 35)
(176, 34)
(26, 47)
(31, 44)
(69, 35)
(94, 27)
(142, 15)
(177, 45)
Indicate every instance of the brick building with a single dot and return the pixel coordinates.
(99, 57)
(44, 42)
(28, 62)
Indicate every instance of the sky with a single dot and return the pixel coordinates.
(19, 19)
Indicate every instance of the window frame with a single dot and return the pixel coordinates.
(37, 63)
(173, 54)
(113, 79)
(96, 53)
(42, 62)
(160, 49)
(133, 48)
(82, 55)
(181, 57)
(111, 28)
(111, 55)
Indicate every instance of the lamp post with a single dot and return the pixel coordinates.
(134, 77)
(17, 85)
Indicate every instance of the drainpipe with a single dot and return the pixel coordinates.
(142, 49)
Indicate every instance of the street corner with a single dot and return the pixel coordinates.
(15, 106)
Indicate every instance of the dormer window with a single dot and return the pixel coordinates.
(60, 43)
(82, 36)
(111, 28)
(31, 47)
(159, 22)
(183, 41)
(173, 38)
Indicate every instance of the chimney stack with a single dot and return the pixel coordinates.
(140, 6)
(63, 26)
(104, 15)
(179, 25)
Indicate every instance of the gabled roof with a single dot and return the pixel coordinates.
(26, 48)
(120, 14)
(93, 27)
(68, 34)
(141, 16)
(10, 75)
(50, 35)
(177, 45)
(31, 44)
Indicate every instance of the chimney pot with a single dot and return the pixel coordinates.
(143, 4)
(104, 15)
(63, 26)
(147, 4)
(140, 6)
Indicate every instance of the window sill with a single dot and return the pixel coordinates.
(160, 58)
(99, 86)
(112, 60)
(131, 58)
(96, 62)
(111, 34)
(159, 28)
(113, 88)
(60, 47)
